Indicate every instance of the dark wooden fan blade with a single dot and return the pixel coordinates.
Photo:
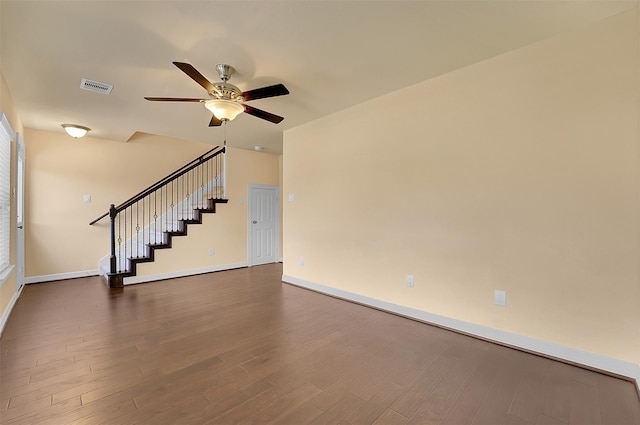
(261, 93)
(262, 114)
(174, 99)
(195, 75)
(215, 122)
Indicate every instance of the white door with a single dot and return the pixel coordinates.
(20, 170)
(264, 238)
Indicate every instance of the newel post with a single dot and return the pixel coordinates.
(115, 281)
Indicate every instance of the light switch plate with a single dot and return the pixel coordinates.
(500, 298)
(87, 199)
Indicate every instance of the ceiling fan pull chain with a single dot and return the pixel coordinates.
(224, 124)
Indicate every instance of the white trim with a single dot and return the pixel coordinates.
(60, 276)
(19, 192)
(4, 274)
(569, 354)
(637, 377)
(182, 273)
(5, 127)
(6, 134)
(8, 310)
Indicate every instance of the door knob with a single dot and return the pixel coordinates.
(255, 221)
(19, 227)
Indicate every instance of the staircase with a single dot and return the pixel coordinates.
(151, 219)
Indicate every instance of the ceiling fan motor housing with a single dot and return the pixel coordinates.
(226, 91)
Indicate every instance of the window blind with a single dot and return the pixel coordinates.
(6, 135)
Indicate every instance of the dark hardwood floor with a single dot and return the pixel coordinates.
(240, 347)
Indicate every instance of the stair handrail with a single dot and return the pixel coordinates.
(174, 175)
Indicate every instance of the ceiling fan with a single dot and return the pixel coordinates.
(226, 101)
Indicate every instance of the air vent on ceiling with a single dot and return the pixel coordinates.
(95, 86)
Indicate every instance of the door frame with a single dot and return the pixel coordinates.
(19, 197)
(250, 241)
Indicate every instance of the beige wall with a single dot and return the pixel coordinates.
(61, 170)
(519, 173)
(7, 107)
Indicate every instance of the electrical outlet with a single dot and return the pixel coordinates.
(211, 252)
(410, 282)
(301, 260)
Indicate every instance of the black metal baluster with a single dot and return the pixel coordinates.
(155, 217)
(217, 179)
(142, 227)
(166, 207)
(185, 214)
(137, 229)
(185, 197)
(149, 219)
(207, 185)
(202, 185)
(193, 195)
(147, 199)
(124, 259)
(206, 164)
(130, 239)
(119, 259)
(202, 194)
(160, 215)
(174, 190)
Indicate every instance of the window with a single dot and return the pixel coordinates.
(6, 135)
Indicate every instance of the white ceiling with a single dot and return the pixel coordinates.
(329, 54)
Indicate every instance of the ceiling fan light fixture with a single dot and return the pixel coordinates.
(75, 131)
(223, 109)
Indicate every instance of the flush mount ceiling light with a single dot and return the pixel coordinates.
(224, 109)
(75, 131)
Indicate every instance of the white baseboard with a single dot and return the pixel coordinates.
(181, 273)
(60, 276)
(572, 355)
(7, 311)
(637, 378)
